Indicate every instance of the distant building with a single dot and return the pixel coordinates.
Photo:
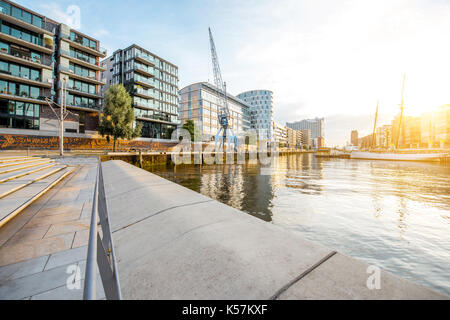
(279, 134)
(354, 138)
(200, 102)
(383, 137)
(153, 85)
(316, 127)
(261, 110)
(306, 138)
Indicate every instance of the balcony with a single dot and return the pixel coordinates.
(46, 28)
(148, 106)
(85, 106)
(81, 60)
(4, 94)
(6, 75)
(93, 80)
(144, 93)
(77, 90)
(144, 71)
(26, 59)
(143, 81)
(145, 59)
(45, 48)
(78, 43)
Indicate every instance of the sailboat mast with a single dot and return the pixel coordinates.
(401, 113)
(375, 126)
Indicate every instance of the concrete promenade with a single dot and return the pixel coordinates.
(173, 243)
(39, 246)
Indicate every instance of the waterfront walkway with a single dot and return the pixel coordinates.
(41, 245)
(172, 243)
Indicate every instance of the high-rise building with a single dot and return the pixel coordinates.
(316, 127)
(354, 138)
(37, 57)
(261, 110)
(200, 102)
(153, 85)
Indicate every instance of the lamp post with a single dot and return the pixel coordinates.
(61, 119)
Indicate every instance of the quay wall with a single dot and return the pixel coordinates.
(173, 243)
(77, 142)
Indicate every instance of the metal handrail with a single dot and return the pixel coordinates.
(101, 250)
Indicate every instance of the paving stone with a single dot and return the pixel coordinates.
(66, 257)
(67, 227)
(34, 284)
(28, 250)
(21, 269)
(81, 238)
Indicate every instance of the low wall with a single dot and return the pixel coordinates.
(173, 243)
(40, 142)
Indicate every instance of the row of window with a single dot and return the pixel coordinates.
(82, 71)
(20, 71)
(21, 33)
(22, 90)
(20, 108)
(21, 115)
(20, 14)
(82, 86)
(77, 54)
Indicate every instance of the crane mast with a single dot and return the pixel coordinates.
(223, 113)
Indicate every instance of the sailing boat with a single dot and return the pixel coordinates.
(403, 155)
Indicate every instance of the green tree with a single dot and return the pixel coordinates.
(118, 116)
(189, 125)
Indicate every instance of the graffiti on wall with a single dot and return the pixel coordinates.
(21, 142)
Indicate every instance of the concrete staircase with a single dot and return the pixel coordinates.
(24, 179)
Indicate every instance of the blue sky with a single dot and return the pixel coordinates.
(325, 58)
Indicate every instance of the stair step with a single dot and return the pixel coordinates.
(16, 163)
(13, 204)
(11, 186)
(13, 158)
(22, 167)
(4, 161)
(18, 174)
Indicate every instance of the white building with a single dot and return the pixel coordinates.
(261, 110)
(279, 133)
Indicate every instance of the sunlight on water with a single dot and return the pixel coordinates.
(392, 214)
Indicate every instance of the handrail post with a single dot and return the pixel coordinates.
(90, 283)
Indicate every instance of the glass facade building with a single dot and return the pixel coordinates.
(37, 55)
(200, 102)
(153, 85)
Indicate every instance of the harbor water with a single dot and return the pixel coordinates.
(392, 214)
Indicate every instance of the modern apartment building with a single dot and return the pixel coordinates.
(261, 110)
(153, 85)
(279, 133)
(316, 127)
(200, 102)
(38, 55)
